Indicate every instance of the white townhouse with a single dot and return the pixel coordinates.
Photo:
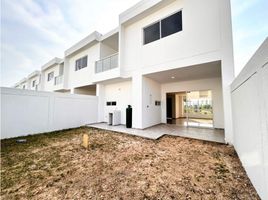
(52, 78)
(86, 59)
(175, 59)
(171, 60)
(22, 84)
(34, 80)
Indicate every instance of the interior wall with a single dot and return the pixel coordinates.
(213, 84)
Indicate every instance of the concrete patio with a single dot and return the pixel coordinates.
(157, 131)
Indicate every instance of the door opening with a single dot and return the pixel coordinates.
(191, 109)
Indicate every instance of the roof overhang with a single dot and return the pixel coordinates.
(110, 33)
(22, 81)
(51, 63)
(141, 10)
(90, 40)
(33, 74)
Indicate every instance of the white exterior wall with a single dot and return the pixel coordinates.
(150, 112)
(206, 37)
(250, 116)
(106, 51)
(120, 92)
(37, 82)
(85, 75)
(24, 84)
(31, 112)
(50, 85)
(177, 50)
(213, 84)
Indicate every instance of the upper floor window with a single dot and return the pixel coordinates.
(165, 27)
(152, 33)
(50, 76)
(33, 83)
(81, 63)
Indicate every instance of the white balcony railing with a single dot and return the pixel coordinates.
(107, 63)
(58, 80)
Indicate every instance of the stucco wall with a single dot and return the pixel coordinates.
(120, 92)
(30, 82)
(150, 112)
(83, 76)
(50, 85)
(200, 36)
(106, 51)
(250, 118)
(30, 112)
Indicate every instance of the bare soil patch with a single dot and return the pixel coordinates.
(118, 166)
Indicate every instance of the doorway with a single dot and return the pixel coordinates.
(190, 109)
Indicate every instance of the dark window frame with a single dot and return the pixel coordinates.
(81, 63)
(33, 83)
(111, 103)
(160, 27)
(50, 76)
(158, 23)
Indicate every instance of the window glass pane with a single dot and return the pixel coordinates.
(50, 76)
(152, 33)
(171, 24)
(84, 61)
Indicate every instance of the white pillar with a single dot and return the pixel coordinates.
(101, 95)
(137, 101)
(227, 67)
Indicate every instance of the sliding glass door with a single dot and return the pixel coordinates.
(198, 108)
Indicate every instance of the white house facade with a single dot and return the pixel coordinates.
(34, 81)
(168, 59)
(52, 78)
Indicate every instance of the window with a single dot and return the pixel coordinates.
(23, 87)
(111, 103)
(171, 24)
(163, 28)
(50, 76)
(158, 103)
(152, 33)
(33, 83)
(81, 63)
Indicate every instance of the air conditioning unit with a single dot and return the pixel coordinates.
(114, 118)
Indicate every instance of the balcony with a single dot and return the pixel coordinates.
(58, 80)
(107, 63)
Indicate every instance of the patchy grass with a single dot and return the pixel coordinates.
(118, 166)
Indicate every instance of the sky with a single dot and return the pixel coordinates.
(35, 31)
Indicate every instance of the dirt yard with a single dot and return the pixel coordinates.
(118, 166)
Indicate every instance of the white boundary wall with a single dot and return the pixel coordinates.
(250, 118)
(25, 112)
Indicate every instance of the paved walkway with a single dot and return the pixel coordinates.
(155, 132)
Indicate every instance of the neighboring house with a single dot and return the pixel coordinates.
(169, 59)
(34, 80)
(22, 84)
(52, 76)
(89, 57)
